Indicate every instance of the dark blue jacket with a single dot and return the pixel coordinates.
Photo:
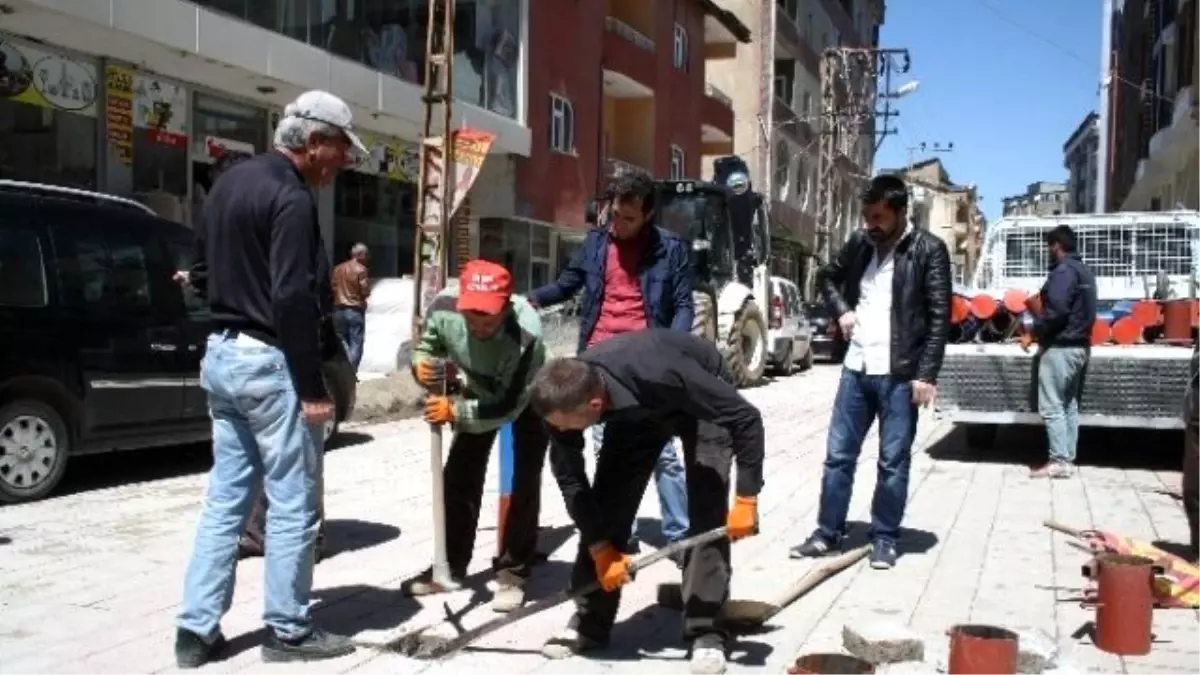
(665, 274)
(1069, 303)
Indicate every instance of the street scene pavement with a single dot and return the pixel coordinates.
(92, 577)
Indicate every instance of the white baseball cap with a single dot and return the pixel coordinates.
(322, 106)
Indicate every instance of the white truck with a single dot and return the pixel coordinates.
(1134, 256)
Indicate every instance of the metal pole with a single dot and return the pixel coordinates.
(1105, 144)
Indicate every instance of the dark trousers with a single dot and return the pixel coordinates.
(860, 400)
(627, 459)
(351, 325)
(465, 473)
(1191, 466)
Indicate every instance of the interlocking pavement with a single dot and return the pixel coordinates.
(90, 581)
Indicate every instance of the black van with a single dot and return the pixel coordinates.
(99, 349)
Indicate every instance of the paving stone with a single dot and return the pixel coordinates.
(880, 641)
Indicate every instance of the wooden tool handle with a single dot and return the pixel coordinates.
(814, 578)
(563, 596)
(1059, 527)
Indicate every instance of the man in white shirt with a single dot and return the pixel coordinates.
(890, 289)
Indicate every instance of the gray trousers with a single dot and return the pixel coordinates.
(1060, 373)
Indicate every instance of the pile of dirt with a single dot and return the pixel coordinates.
(397, 396)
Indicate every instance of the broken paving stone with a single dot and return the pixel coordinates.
(881, 641)
(1036, 651)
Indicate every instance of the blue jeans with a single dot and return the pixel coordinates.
(351, 326)
(259, 434)
(671, 479)
(860, 400)
(1060, 372)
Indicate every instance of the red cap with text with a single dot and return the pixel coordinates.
(483, 287)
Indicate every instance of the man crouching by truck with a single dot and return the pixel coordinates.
(648, 387)
(495, 339)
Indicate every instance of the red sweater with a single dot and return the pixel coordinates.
(622, 309)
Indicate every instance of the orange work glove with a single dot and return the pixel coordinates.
(743, 518)
(439, 410)
(435, 373)
(612, 567)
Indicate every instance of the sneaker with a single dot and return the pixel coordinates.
(316, 646)
(423, 584)
(1052, 470)
(193, 651)
(708, 655)
(568, 643)
(883, 555)
(815, 546)
(509, 594)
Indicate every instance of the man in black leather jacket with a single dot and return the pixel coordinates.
(890, 289)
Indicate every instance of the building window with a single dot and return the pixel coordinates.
(791, 8)
(521, 246)
(377, 211)
(783, 159)
(220, 127)
(681, 48)
(807, 104)
(47, 134)
(678, 163)
(562, 125)
(808, 29)
(159, 127)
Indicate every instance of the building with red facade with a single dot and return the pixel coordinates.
(611, 85)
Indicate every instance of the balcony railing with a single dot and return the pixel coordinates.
(619, 167)
(615, 25)
(715, 93)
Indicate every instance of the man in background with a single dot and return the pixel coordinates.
(634, 276)
(351, 286)
(1063, 333)
(267, 286)
(889, 286)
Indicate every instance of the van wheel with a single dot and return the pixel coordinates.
(34, 445)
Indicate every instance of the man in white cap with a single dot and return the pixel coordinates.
(267, 286)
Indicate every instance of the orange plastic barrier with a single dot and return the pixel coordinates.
(984, 306)
(1127, 330)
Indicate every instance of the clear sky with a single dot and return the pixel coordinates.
(1006, 81)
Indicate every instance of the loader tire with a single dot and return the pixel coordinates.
(704, 322)
(745, 346)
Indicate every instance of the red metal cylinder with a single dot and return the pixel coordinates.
(984, 306)
(1127, 331)
(1147, 313)
(831, 663)
(982, 649)
(960, 309)
(1101, 332)
(1177, 320)
(1014, 300)
(1124, 604)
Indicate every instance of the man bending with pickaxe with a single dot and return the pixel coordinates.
(648, 387)
(495, 339)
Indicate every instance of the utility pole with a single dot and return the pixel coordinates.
(849, 77)
(431, 255)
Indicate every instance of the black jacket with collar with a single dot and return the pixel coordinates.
(920, 297)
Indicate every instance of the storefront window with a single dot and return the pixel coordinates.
(378, 212)
(220, 127)
(389, 36)
(48, 115)
(523, 247)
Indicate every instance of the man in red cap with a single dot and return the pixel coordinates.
(495, 340)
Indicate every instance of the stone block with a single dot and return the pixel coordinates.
(1036, 651)
(881, 641)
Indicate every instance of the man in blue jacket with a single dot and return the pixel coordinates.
(633, 275)
(1063, 333)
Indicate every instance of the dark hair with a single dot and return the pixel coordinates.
(887, 188)
(630, 185)
(562, 385)
(1062, 235)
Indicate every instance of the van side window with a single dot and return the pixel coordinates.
(182, 256)
(112, 268)
(22, 272)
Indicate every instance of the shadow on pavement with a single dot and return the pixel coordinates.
(345, 536)
(911, 541)
(114, 469)
(1098, 447)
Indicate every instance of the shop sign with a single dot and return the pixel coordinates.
(39, 77)
(216, 147)
(118, 112)
(160, 108)
(391, 157)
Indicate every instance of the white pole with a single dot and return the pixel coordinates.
(1105, 145)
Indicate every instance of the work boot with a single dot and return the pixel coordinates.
(316, 646)
(1052, 470)
(193, 651)
(708, 655)
(568, 643)
(423, 584)
(883, 554)
(815, 546)
(509, 594)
